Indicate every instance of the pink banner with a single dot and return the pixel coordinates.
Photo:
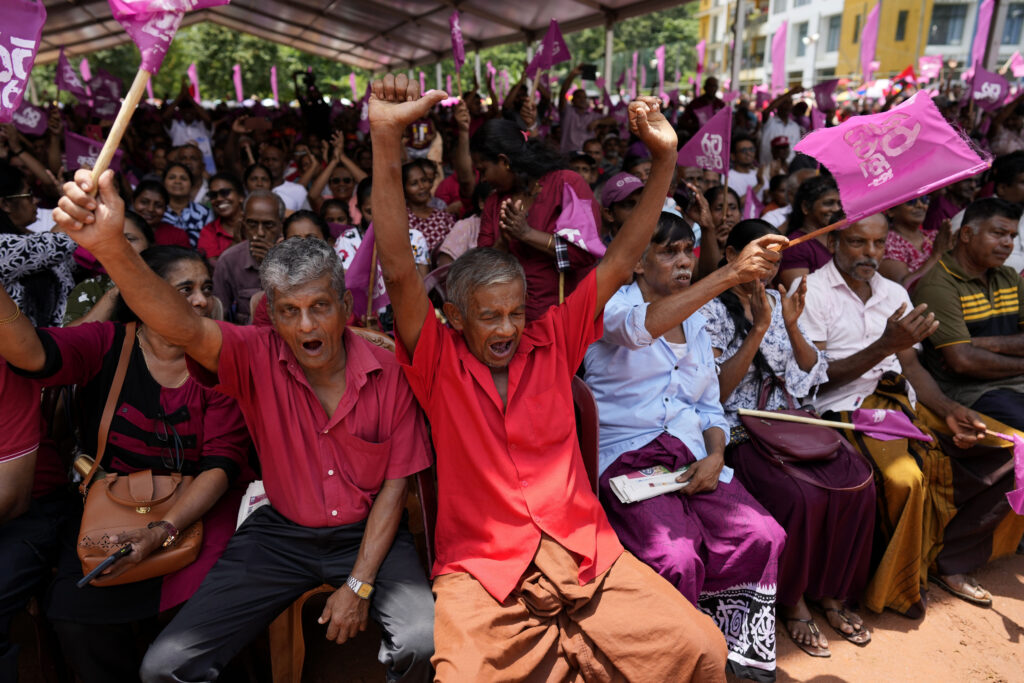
(885, 159)
(352, 84)
(886, 425)
(458, 46)
(779, 76)
(448, 84)
(105, 107)
(357, 277)
(236, 75)
(153, 23)
(709, 148)
(817, 119)
(633, 86)
(989, 90)
(704, 113)
(193, 78)
(552, 50)
(576, 223)
(423, 82)
(19, 42)
(1017, 65)
(67, 78)
(81, 152)
(83, 68)
(752, 208)
(702, 47)
(978, 46)
(659, 54)
(1016, 497)
(824, 95)
(273, 85)
(30, 119)
(868, 43)
(929, 67)
(105, 84)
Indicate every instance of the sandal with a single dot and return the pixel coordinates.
(978, 596)
(812, 650)
(860, 635)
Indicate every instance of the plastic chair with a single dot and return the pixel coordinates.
(587, 426)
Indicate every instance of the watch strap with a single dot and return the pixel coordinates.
(361, 588)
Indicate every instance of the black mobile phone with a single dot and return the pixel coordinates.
(123, 551)
(588, 72)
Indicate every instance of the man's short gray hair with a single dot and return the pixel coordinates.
(265, 194)
(481, 267)
(299, 260)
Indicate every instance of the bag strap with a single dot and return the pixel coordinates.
(111, 404)
(796, 473)
(768, 383)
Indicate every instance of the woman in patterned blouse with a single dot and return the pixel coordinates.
(910, 249)
(435, 224)
(181, 211)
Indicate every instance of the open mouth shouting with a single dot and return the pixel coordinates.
(502, 350)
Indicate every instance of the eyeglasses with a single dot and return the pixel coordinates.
(24, 195)
(743, 150)
(344, 180)
(169, 438)
(220, 194)
(923, 199)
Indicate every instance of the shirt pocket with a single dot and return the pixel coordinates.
(366, 462)
(550, 420)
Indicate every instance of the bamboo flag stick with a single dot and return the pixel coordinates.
(811, 235)
(1004, 437)
(785, 417)
(113, 141)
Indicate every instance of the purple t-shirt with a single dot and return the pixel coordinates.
(811, 254)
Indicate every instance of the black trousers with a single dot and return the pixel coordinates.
(268, 564)
(1005, 405)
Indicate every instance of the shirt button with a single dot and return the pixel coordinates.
(524, 483)
(325, 431)
(666, 399)
(676, 367)
(330, 473)
(334, 513)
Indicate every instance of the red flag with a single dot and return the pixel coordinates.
(907, 74)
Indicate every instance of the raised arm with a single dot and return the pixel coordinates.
(566, 84)
(395, 103)
(97, 223)
(650, 125)
(462, 160)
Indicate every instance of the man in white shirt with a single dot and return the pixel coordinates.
(861, 320)
(782, 124)
(744, 172)
(294, 196)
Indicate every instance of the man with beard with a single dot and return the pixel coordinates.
(654, 378)
(862, 321)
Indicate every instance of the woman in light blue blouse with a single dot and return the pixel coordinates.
(757, 341)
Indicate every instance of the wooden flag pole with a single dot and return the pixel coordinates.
(786, 417)
(124, 116)
(458, 83)
(811, 235)
(1000, 435)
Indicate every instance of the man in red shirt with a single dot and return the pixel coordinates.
(530, 579)
(337, 431)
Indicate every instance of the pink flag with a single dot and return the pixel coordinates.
(357, 277)
(701, 51)
(153, 23)
(709, 148)
(86, 72)
(1017, 65)
(105, 107)
(1016, 497)
(885, 159)
(19, 41)
(193, 77)
(423, 82)
(82, 151)
(818, 119)
(988, 89)
(929, 67)
(868, 43)
(237, 75)
(779, 76)
(704, 113)
(273, 84)
(458, 47)
(30, 119)
(106, 84)
(448, 84)
(576, 223)
(67, 79)
(752, 208)
(660, 56)
(352, 84)
(978, 47)
(552, 50)
(633, 87)
(887, 425)
(730, 95)
(824, 94)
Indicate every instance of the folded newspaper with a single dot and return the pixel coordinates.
(646, 483)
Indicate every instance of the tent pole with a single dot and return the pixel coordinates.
(476, 67)
(609, 40)
(437, 72)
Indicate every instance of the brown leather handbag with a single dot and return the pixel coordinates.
(117, 504)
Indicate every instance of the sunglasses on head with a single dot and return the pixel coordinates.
(220, 194)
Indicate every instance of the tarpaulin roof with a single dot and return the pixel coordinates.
(371, 34)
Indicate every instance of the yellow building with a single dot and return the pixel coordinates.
(902, 36)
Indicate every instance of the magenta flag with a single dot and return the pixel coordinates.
(824, 94)
(817, 119)
(730, 95)
(1017, 65)
(702, 47)
(886, 425)
(552, 50)
(885, 159)
(83, 68)
(779, 77)
(1016, 497)
(929, 66)
(868, 43)
(752, 208)
(989, 89)
(273, 85)
(30, 119)
(193, 77)
(19, 42)
(105, 84)
(458, 46)
(81, 151)
(660, 56)
(704, 113)
(153, 23)
(352, 84)
(709, 148)
(448, 84)
(978, 47)
(236, 74)
(105, 107)
(357, 277)
(67, 78)
(576, 223)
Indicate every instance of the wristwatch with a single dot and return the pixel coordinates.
(360, 588)
(172, 531)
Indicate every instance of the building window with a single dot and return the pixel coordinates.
(835, 25)
(947, 25)
(856, 29)
(801, 33)
(901, 25)
(714, 29)
(801, 3)
(1014, 23)
(779, 7)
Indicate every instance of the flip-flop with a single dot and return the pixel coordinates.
(982, 602)
(813, 651)
(860, 636)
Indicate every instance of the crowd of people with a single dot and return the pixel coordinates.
(206, 311)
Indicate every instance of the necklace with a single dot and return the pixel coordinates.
(143, 343)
